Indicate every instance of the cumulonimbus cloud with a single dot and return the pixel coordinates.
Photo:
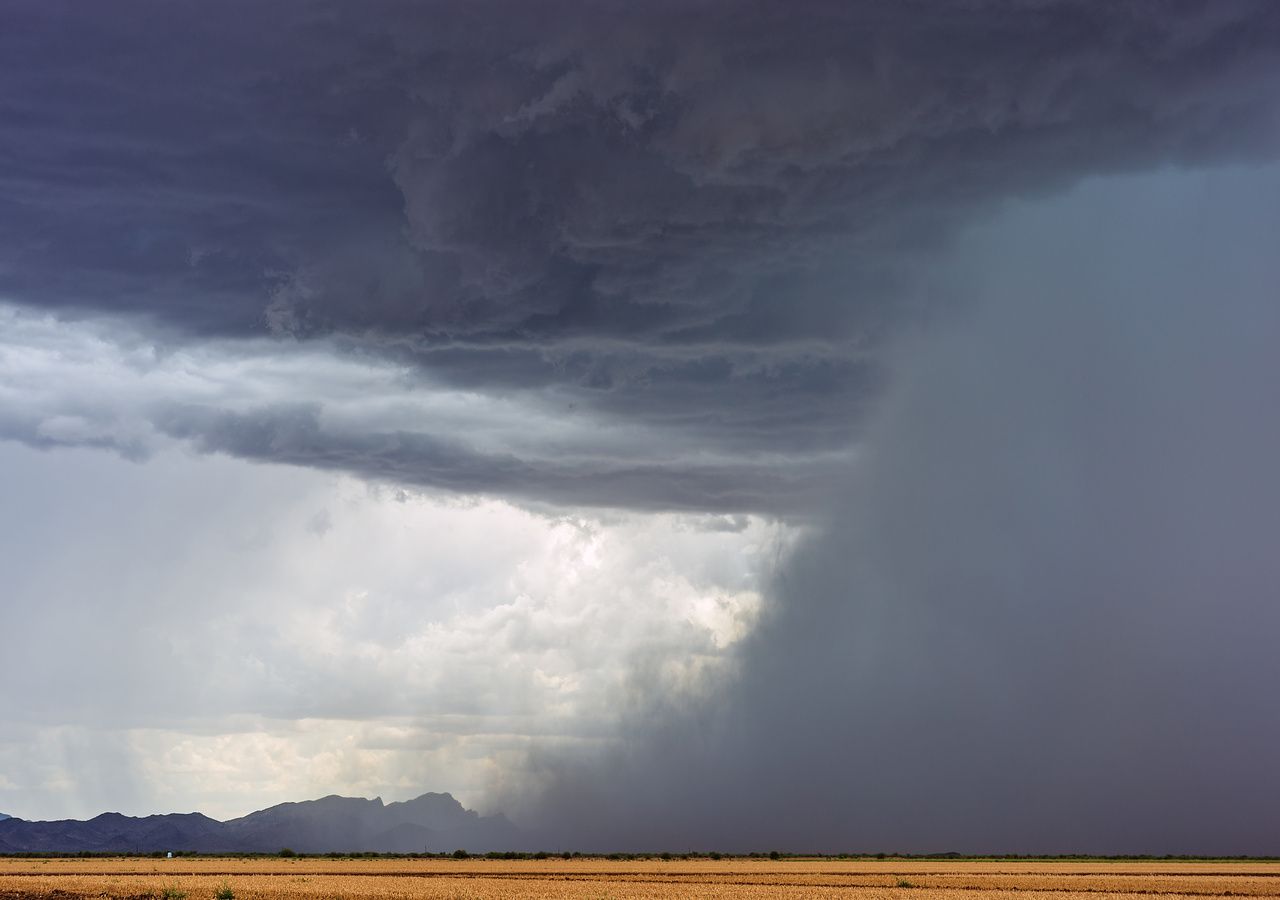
(699, 228)
(702, 217)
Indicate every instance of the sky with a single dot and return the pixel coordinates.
(702, 424)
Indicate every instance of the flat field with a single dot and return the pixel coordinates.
(592, 879)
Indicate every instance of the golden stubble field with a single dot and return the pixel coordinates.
(592, 879)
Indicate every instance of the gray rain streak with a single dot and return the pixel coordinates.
(1035, 613)
(1040, 613)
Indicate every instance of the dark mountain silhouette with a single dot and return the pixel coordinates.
(432, 822)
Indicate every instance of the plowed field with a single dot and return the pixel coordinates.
(592, 879)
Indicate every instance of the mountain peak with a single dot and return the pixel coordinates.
(429, 822)
(430, 800)
(110, 817)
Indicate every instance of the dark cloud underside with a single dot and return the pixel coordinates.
(704, 217)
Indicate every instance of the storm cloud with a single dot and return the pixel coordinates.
(701, 218)
(729, 258)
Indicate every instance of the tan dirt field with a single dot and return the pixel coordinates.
(593, 879)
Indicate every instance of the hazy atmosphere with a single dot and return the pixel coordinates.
(673, 424)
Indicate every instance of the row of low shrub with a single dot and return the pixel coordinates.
(566, 854)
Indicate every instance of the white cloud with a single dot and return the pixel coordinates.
(187, 615)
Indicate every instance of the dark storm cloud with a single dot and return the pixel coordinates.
(701, 216)
(294, 434)
(97, 384)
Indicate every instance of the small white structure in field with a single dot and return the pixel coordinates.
(169, 855)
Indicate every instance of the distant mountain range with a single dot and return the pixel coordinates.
(432, 822)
